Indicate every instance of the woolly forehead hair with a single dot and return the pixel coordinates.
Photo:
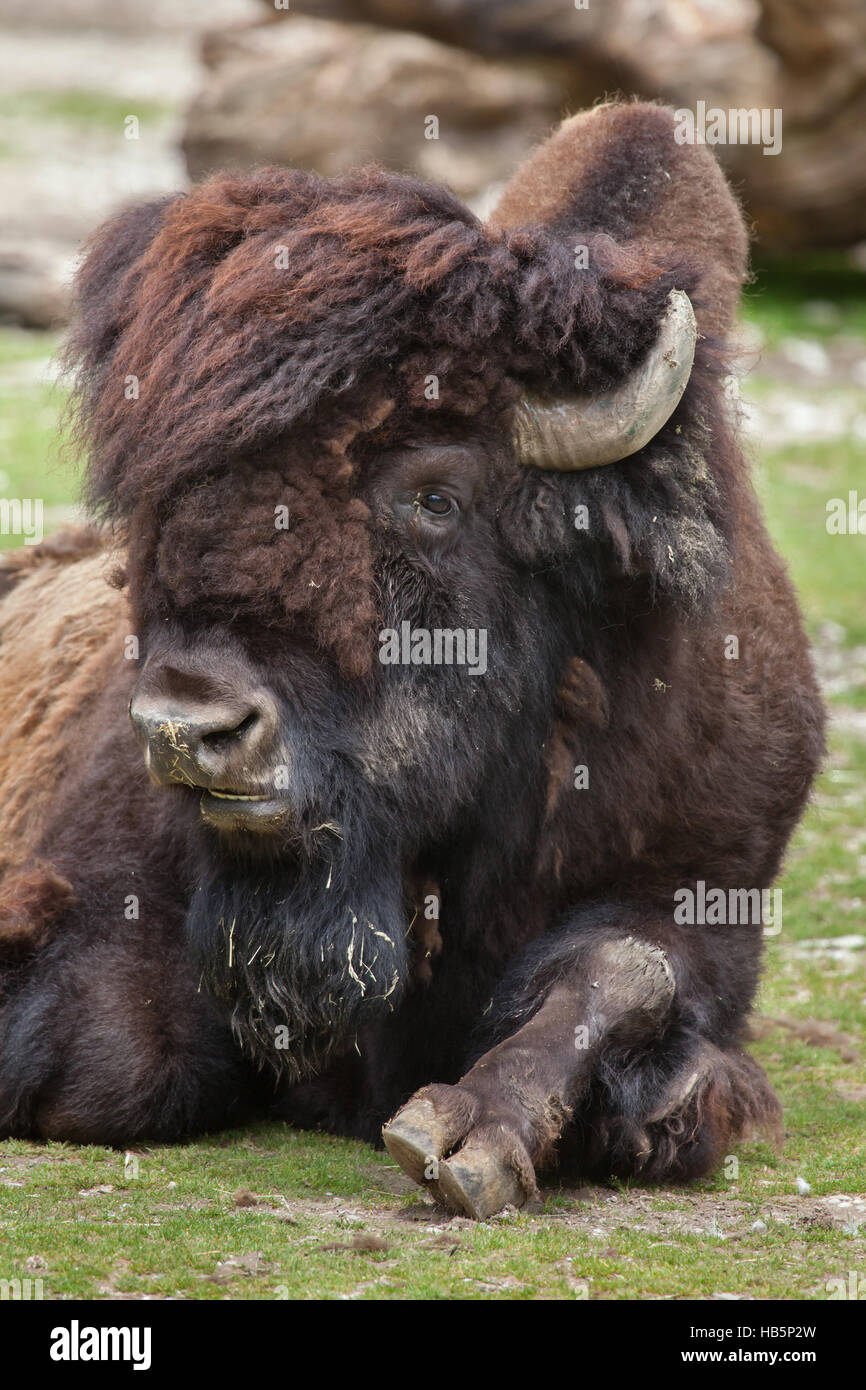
(269, 322)
(259, 302)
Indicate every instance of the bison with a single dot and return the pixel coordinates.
(276, 840)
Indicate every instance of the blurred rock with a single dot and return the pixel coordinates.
(129, 16)
(314, 94)
(806, 58)
(814, 194)
(67, 87)
(612, 33)
(34, 284)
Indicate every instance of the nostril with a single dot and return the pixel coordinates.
(217, 739)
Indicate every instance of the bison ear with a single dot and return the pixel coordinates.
(619, 169)
(104, 283)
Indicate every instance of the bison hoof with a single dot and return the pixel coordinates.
(488, 1171)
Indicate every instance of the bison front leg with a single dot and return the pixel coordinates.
(476, 1145)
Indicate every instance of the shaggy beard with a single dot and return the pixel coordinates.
(298, 961)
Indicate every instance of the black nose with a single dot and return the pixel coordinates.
(227, 745)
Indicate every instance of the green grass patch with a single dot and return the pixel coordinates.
(34, 462)
(76, 108)
(85, 1227)
(795, 485)
(813, 296)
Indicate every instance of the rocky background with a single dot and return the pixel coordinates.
(499, 71)
(327, 84)
(66, 88)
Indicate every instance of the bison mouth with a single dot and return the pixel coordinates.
(230, 809)
(254, 819)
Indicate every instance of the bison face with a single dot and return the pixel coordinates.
(282, 716)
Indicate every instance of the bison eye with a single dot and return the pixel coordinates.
(435, 502)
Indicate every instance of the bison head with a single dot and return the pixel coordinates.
(347, 431)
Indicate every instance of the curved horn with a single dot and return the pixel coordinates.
(588, 431)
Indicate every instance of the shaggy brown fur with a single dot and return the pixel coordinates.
(32, 899)
(61, 629)
(650, 195)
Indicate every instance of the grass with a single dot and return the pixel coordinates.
(85, 112)
(32, 460)
(795, 485)
(327, 1223)
(784, 294)
(182, 1228)
(271, 1213)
